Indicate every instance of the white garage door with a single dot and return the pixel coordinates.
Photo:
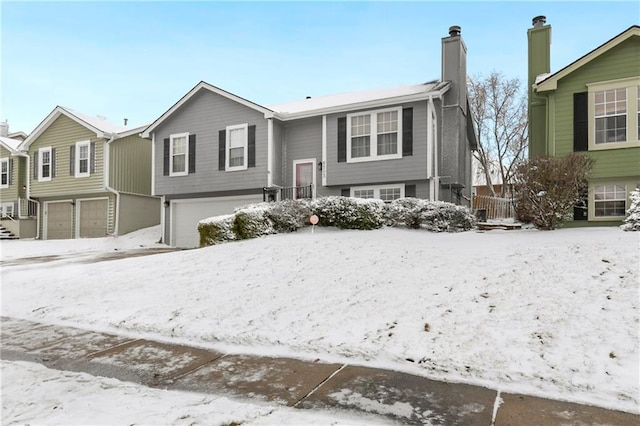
(185, 215)
(58, 220)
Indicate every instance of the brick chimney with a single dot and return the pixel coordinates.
(539, 62)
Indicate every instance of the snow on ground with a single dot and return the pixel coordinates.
(553, 314)
(32, 393)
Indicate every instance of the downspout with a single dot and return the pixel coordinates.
(107, 155)
(30, 199)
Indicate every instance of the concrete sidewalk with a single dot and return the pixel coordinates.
(394, 396)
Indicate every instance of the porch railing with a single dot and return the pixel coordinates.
(279, 193)
(494, 207)
(27, 208)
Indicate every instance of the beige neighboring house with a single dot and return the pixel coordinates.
(88, 177)
(16, 218)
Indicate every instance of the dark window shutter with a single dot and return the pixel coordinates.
(222, 137)
(72, 160)
(342, 139)
(53, 162)
(580, 122)
(92, 153)
(192, 153)
(251, 148)
(407, 132)
(345, 192)
(10, 179)
(410, 191)
(35, 164)
(166, 157)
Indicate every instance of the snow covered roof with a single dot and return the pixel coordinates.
(354, 100)
(10, 144)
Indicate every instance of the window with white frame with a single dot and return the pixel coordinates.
(4, 173)
(386, 193)
(237, 147)
(45, 161)
(374, 135)
(83, 152)
(610, 200)
(614, 114)
(179, 154)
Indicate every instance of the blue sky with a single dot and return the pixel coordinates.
(136, 59)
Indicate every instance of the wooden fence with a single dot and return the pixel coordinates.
(495, 207)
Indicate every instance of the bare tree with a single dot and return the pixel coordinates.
(499, 111)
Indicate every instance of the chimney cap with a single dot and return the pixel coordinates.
(539, 21)
(454, 30)
(308, 97)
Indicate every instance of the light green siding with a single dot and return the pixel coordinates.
(130, 165)
(539, 62)
(10, 193)
(61, 135)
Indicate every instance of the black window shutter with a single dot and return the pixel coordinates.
(345, 192)
(342, 139)
(10, 179)
(92, 153)
(410, 191)
(35, 164)
(580, 122)
(72, 160)
(192, 153)
(166, 157)
(407, 132)
(251, 148)
(53, 162)
(222, 136)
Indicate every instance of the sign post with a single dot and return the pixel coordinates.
(314, 220)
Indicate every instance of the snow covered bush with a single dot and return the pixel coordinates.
(547, 188)
(251, 223)
(349, 213)
(632, 222)
(215, 230)
(289, 215)
(435, 216)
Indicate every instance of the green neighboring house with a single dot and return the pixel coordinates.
(88, 177)
(593, 106)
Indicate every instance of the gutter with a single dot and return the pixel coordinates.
(107, 155)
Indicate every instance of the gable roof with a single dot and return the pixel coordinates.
(16, 135)
(100, 126)
(550, 81)
(197, 88)
(11, 145)
(357, 100)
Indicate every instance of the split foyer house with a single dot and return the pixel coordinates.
(214, 151)
(592, 106)
(88, 177)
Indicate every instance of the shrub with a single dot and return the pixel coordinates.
(405, 212)
(436, 216)
(252, 222)
(349, 213)
(289, 215)
(216, 230)
(632, 222)
(547, 188)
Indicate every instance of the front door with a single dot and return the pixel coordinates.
(304, 177)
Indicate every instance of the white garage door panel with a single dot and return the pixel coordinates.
(185, 215)
(59, 220)
(93, 218)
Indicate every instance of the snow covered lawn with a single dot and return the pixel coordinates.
(553, 314)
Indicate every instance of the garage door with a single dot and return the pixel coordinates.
(93, 218)
(185, 215)
(59, 220)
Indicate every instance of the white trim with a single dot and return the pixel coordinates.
(163, 219)
(40, 164)
(186, 154)
(8, 172)
(376, 189)
(270, 156)
(153, 164)
(591, 215)
(77, 159)
(373, 136)
(324, 150)
(79, 210)
(46, 214)
(295, 175)
(227, 147)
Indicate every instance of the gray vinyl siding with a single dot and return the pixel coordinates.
(302, 140)
(397, 170)
(204, 115)
(277, 172)
(130, 165)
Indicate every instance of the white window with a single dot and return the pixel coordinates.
(237, 148)
(83, 153)
(179, 155)
(45, 164)
(6, 209)
(611, 115)
(610, 200)
(386, 193)
(374, 135)
(4, 173)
